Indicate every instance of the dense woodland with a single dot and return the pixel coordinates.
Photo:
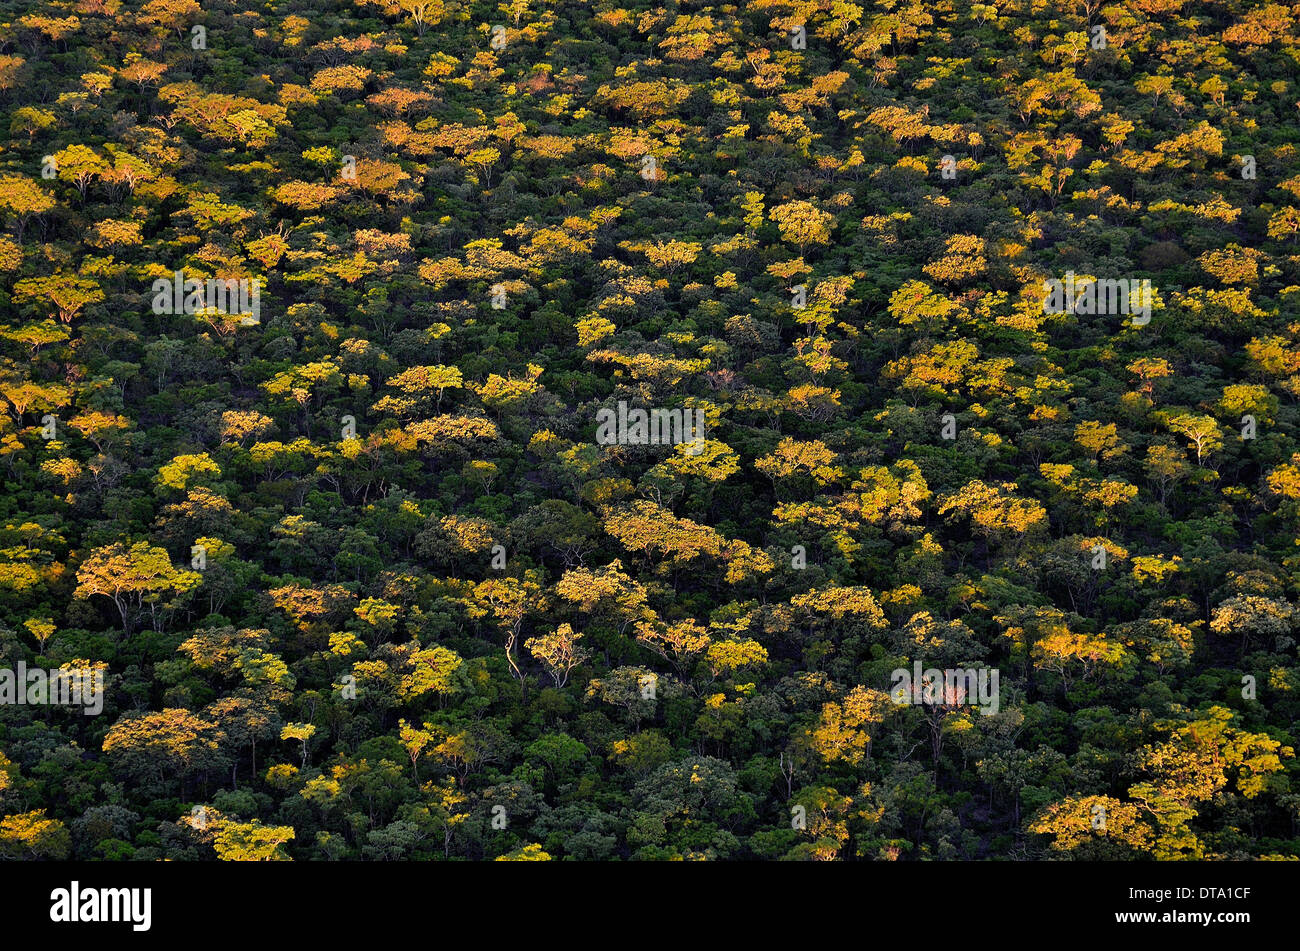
(362, 583)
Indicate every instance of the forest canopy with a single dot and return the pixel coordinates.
(792, 429)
